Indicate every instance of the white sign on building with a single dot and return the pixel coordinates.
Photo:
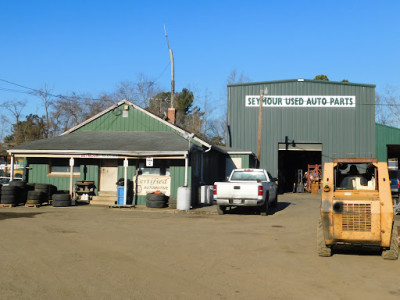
(151, 183)
(302, 101)
(149, 161)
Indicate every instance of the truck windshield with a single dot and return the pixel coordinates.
(249, 176)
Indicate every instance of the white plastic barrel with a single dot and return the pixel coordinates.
(206, 194)
(183, 199)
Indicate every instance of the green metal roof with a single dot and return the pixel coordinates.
(301, 80)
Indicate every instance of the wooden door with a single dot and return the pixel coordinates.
(108, 175)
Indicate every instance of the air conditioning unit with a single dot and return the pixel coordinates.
(206, 194)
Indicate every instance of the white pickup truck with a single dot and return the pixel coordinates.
(247, 187)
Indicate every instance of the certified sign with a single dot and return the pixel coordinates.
(149, 161)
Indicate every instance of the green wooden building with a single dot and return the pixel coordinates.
(125, 139)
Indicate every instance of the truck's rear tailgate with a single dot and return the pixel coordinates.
(237, 190)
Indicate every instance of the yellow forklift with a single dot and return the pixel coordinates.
(357, 208)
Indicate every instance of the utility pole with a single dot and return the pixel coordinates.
(171, 57)
(260, 125)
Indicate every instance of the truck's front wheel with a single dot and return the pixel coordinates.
(221, 209)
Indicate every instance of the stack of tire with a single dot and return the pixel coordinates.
(14, 193)
(61, 199)
(156, 200)
(172, 203)
(40, 193)
(47, 191)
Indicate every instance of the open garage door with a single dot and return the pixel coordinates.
(393, 151)
(294, 157)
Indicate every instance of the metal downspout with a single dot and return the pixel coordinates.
(186, 169)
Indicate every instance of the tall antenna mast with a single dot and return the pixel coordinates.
(171, 57)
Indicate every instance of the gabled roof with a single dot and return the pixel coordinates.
(139, 143)
(178, 129)
(302, 80)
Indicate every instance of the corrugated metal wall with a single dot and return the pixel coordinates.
(385, 135)
(39, 170)
(343, 132)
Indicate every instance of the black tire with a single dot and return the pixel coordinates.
(34, 195)
(322, 249)
(20, 184)
(30, 186)
(265, 207)
(41, 186)
(172, 203)
(61, 203)
(8, 193)
(221, 209)
(9, 188)
(11, 199)
(61, 197)
(393, 252)
(156, 204)
(44, 192)
(275, 203)
(156, 197)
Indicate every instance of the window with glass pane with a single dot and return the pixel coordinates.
(61, 166)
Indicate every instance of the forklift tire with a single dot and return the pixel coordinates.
(221, 209)
(393, 252)
(323, 250)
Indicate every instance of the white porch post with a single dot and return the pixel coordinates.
(71, 175)
(12, 168)
(126, 164)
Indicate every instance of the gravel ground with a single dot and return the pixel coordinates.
(90, 252)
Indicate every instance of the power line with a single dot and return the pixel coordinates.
(36, 92)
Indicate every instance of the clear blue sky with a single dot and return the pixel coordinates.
(90, 46)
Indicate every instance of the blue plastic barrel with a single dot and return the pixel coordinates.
(120, 195)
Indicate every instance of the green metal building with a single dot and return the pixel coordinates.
(303, 122)
(387, 142)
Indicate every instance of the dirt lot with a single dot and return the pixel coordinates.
(100, 253)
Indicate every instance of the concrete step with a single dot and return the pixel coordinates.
(103, 200)
(108, 193)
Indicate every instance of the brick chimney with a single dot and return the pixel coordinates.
(171, 115)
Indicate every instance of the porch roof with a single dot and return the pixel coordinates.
(114, 142)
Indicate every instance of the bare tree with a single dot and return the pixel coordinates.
(387, 107)
(139, 92)
(15, 109)
(47, 99)
(221, 123)
(72, 110)
(234, 77)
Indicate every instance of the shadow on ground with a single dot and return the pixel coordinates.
(8, 215)
(356, 250)
(241, 210)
